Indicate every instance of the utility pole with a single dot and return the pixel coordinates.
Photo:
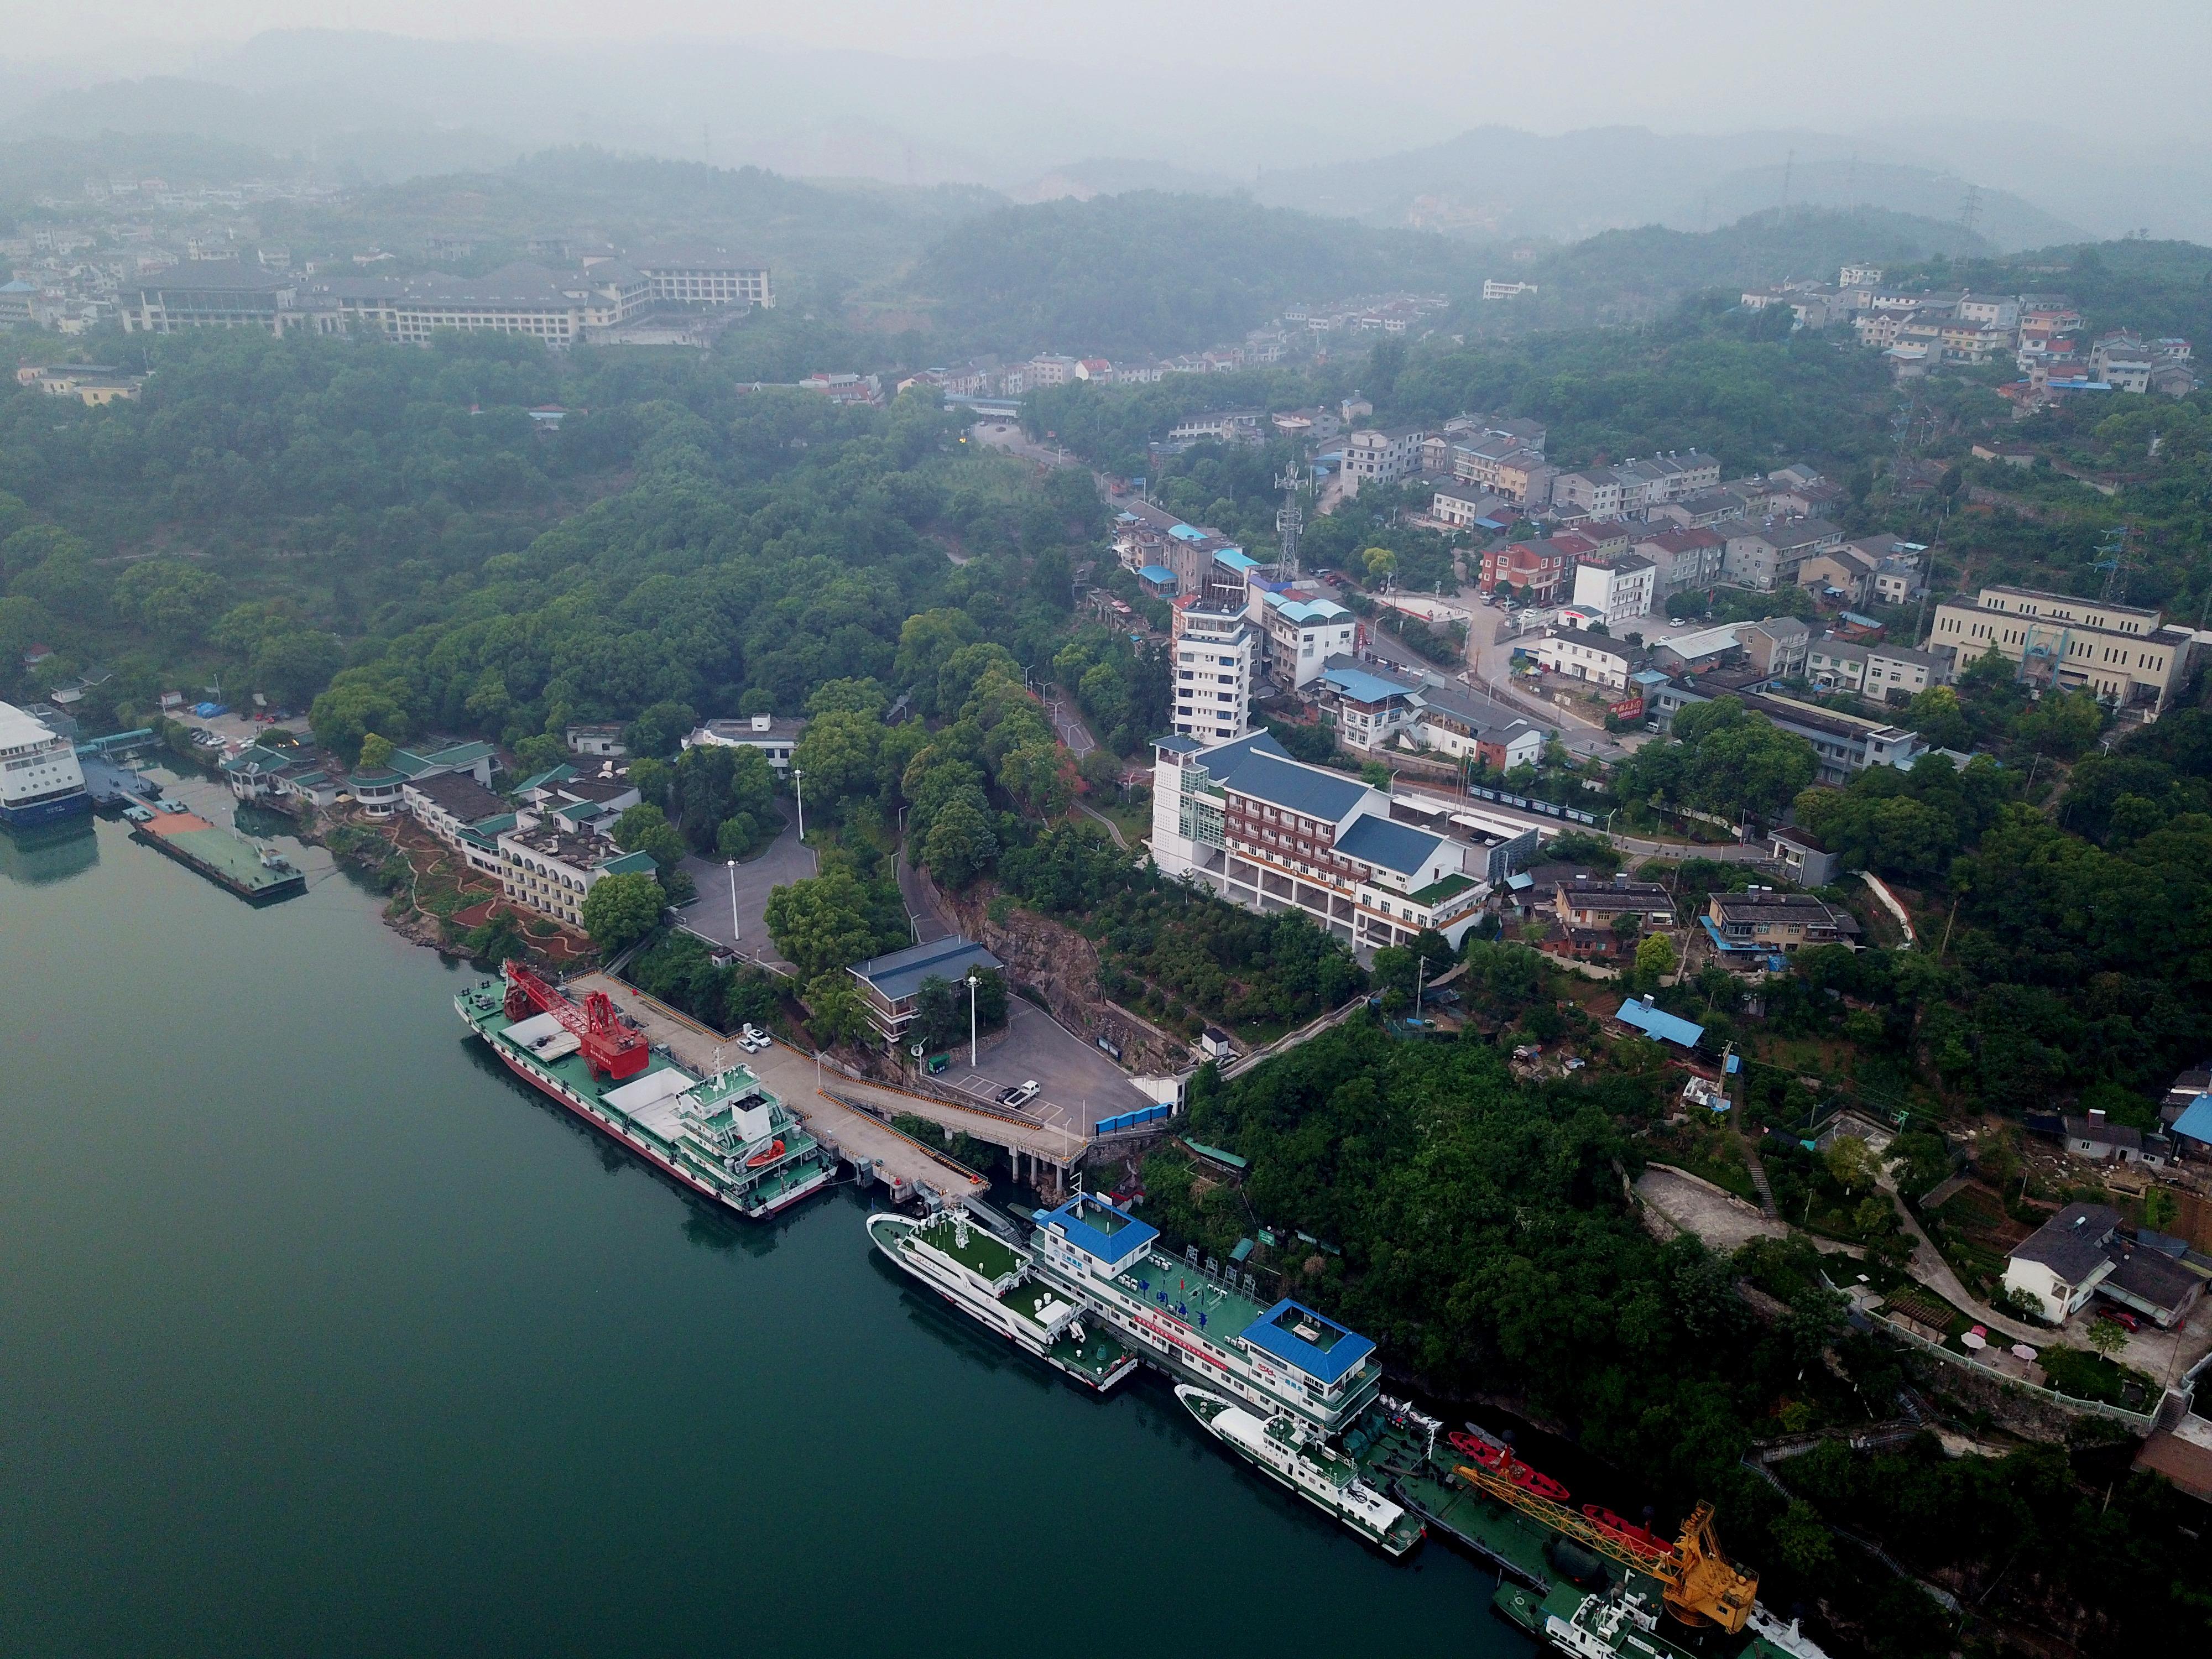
(799, 784)
(973, 982)
(733, 902)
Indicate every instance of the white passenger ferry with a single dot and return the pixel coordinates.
(1293, 1455)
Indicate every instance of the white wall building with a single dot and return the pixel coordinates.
(1620, 592)
(1215, 654)
(774, 737)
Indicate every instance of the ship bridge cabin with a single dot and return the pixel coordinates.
(1207, 1323)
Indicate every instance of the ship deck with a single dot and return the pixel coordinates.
(975, 1247)
(1205, 1304)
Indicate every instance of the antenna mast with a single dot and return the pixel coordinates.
(1289, 520)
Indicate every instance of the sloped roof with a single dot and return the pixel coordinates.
(1333, 1352)
(1658, 1024)
(1387, 845)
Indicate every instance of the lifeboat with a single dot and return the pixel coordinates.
(1535, 1484)
(767, 1155)
(1639, 1538)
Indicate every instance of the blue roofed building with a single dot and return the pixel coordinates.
(1657, 1024)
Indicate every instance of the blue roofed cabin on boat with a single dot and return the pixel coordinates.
(1294, 1334)
(1088, 1234)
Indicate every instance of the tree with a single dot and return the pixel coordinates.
(836, 1012)
(1655, 957)
(2107, 1337)
(1802, 1539)
(838, 752)
(376, 752)
(620, 910)
(961, 844)
(343, 716)
(645, 829)
(1852, 1163)
(821, 923)
(174, 600)
(659, 731)
(2159, 1209)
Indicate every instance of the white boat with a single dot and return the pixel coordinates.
(990, 1280)
(40, 781)
(1287, 1452)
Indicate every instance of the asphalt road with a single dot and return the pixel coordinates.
(786, 859)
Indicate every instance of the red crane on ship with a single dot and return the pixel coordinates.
(610, 1048)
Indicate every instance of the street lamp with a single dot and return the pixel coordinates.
(973, 982)
(734, 935)
(798, 783)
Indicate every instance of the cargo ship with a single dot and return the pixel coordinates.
(993, 1282)
(723, 1137)
(1297, 1458)
(1204, 1325)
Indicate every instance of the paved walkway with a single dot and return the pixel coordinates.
(1112, 827)
(1928, 1267)
(930, 922)
(710, 916)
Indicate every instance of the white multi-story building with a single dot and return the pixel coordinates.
(547, 869)
(773, 737)
(1302, 634)
(559, 308)
(1273, 834)
(1581, 656)
(708, 276)
(1620, 592)
(2124, 654)
(1216, 653)
(1381, 457)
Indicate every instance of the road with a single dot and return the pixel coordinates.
(1007, 439)
(1068, 723)
(930, 923)
(786, 859)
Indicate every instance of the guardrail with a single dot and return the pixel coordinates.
(2142, 1423)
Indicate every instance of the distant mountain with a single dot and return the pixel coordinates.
(1084, 179)
(1496, 183)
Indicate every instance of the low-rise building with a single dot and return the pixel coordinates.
(1881, 674)
(448, 804)
(1464, 506)
(1585, 656)
(1765, 921)
(1598, 904)
(1458, 722)
(1686, 558)
(1533, 573)
(1368, 704)
(2129, 655)
(1778, 646)
(545, 867)
(1378, 456)
(2081, 1253)
(891, 985)
(1620, 592)
(1302, 633)
(599, 740)
(1801, 857)
(1767, 556)
(774, 736)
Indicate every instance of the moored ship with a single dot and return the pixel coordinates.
(992, 1282)
(40, 780)
(724, 1137)
(1294, 1456)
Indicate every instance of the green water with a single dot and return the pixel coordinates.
(321, 1335)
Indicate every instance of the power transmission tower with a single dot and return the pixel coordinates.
(2112, 559)
(1289, 520)
(1969, 209)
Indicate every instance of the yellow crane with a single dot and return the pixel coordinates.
(1698, 1583)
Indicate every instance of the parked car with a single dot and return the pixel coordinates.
(2122, 1318)
(1020, 1097)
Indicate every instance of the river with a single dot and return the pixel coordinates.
(319, 1334)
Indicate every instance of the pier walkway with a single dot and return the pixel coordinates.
(791, 1075)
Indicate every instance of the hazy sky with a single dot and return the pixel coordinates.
(2134, 69)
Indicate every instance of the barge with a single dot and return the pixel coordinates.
(723, 1137)
(258, 875)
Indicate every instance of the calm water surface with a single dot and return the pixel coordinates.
(321, 1335)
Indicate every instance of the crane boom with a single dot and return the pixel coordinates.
(1699, 1585)
(610, 1047)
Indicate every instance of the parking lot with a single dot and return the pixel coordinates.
(1077, 1084)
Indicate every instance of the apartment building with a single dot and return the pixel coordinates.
(1222, 425)
(1536, 574)
(2128, 655)
(1216, 655)
(1777, 648)
(1461, 506)
(1273, 834)
(1302, 632)
(1702, 509)
(1683, 559)
(1381, 456)
(561, 308)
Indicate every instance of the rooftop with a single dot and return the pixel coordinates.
(1096, 1227)
(1312, 791)
(2072, 1242)
(902, 973)
(1395, 847)
(1658, 1024)
(1316, 1344)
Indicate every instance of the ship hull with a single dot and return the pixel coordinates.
(46, 812)
(1389, 1545)
(988, 1315)
(621, 1137)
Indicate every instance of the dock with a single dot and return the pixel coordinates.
(226, 859)
(901, 1163)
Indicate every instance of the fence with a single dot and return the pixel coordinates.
(1136, 1119)
(2141, 1423)
(1530, 804)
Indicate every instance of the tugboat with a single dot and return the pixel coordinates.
(1288, 1453)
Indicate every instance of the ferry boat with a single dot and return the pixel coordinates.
(1205, 1327)
(1295, 1456)
(1620, 1623)
(40, 780)
(993, 1282)
(724, 1137)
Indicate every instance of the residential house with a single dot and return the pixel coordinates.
(1685, 559)
(1380, 457)
(1843, 743)
(891, 985)
(1767, 556)
(2094, 1137)
(1464, 506)
(1765, 921)
(1704, 508)
(1581, 904)
(600, 740)
(1845, 571)
(1583, 656)
(2081, 1253)
(1879, 673)
(1218, 653)
(1459, 722)
(1368, 704)
(1621, 591)
(1535, 574)
(1802, 858)
(1776, 646)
